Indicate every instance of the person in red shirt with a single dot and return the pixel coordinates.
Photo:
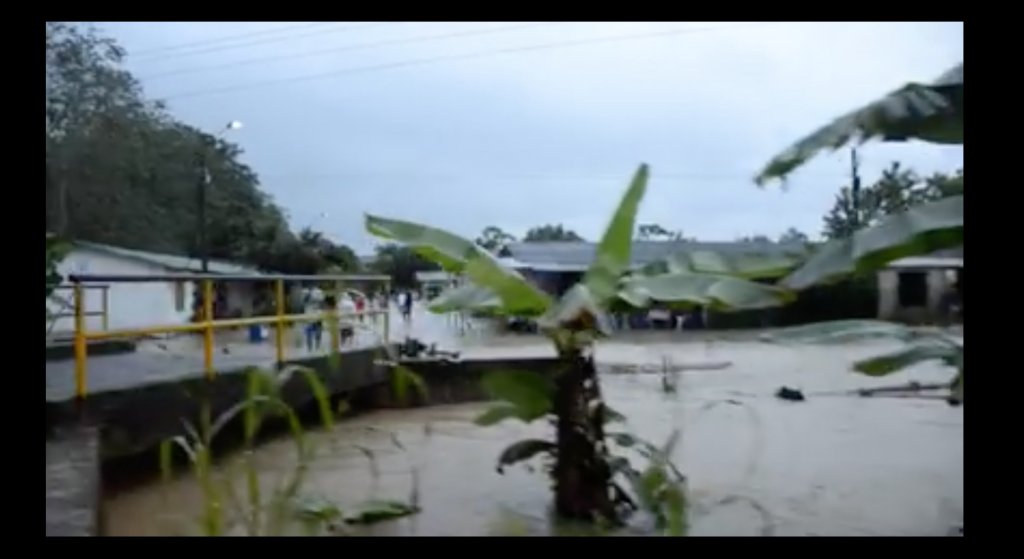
(360, 306)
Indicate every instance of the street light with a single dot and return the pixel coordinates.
(204, 178)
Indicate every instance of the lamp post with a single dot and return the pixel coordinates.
(204, 179)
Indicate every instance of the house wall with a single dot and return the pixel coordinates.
(131, 305)
(888, 297)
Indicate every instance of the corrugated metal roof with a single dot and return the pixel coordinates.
(577, 256)
(170, 261)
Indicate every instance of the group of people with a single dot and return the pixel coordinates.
(315, 302)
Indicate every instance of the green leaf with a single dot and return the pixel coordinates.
(523, 450)
(715, 291)
(378, 511)
(317, 508)
(497, 414)
(624, 440)
(613, 252)
(746, 266)
(529, 392)
(920, 230)
(459, 255)
(466, 297)
(402, 378)
(578, 311)
(839, 331)
(933, 113)
(891, 362)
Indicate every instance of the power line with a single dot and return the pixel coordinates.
(270, 40)
(356, 46)
(228, 38)
(526, 177)
(430, 60)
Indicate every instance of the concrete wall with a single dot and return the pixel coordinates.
(132, 305)
(888, 297)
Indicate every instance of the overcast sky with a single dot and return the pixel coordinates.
(464, 125)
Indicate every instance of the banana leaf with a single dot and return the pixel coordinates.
(929, 112)
(614, 250)
(919, 230)
(459, 255)
(718, 292)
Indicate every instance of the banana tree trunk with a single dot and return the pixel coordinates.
(582, 473)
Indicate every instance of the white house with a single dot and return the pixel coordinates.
(135, 305)
(914, 289)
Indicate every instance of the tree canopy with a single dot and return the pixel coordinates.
(121, 170)
(548, 233)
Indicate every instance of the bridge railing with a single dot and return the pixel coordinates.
(67, 307)
(207, 324)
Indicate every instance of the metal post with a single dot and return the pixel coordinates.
(334, 319)
(387, 313)
(80, 347)
(208, 328)
(106, 307)
(279, 335)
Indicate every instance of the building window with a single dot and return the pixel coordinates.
(179, 296)
(913, 289)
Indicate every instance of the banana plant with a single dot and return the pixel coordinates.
(919, 346)
(928, 112)
(583, 476)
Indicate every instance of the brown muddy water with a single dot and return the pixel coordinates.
(833, 465)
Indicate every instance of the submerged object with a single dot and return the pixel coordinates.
(791, 394)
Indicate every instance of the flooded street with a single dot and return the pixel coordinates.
(756, 465)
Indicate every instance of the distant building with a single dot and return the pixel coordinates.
(134, 305)
(919, 289)
(556, 266)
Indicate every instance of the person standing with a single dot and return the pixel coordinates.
(406, 306)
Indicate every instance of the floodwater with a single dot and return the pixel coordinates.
(833, 465)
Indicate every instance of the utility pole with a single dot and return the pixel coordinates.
(855, 186)
(201, 201)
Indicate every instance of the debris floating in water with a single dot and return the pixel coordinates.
(791, 394)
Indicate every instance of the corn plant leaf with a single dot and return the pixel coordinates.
(927, 350)
(718, 292)
(523, 450)
(402, 378)
(614, 250)
(459, 255)
(920, 230)
(932, 113)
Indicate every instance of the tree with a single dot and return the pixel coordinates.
(550, 233)
(653, 231)
(756, 239)
(120, 170)
(897, 190)
(793, 235)
(585, 472)
(401, 263)
(494, 239)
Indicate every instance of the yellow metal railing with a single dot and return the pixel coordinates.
(103, 313)
(207, 324)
